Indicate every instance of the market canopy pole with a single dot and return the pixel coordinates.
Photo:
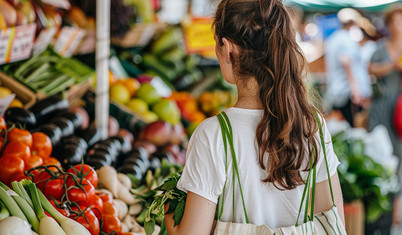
(102, 66)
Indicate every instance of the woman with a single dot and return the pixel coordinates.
(386, 65)
(274, 127)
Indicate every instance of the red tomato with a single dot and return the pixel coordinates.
(76, 194)
(21, 136)
(33, 162)
(9, 165)
(111, 224)
(18, 149)
(85, 171)
(52, 188)
(51, 161)
(109, 209)
(41, 144)
(90, 222)
(18, 176)
(105, 197)
(96, 206)
(60, 207)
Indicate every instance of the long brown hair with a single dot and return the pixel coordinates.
(268, 52)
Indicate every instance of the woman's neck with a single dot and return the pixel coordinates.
(248, 95)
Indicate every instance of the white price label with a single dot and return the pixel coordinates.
(23, 42)
(5, 102)
(68, 40)
(6, 36)
(64, 4)
(44, 39)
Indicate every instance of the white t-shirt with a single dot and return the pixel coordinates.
(204, 172)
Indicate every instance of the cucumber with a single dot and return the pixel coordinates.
(174, 54)
(167, 40)
(151, 62)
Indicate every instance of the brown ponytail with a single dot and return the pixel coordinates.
(268, 52)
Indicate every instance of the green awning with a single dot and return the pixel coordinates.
(335, 5)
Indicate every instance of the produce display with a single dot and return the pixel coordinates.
(49, 73)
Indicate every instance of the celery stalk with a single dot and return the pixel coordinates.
(4, 213)
(19, 189)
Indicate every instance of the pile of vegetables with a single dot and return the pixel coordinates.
(25, 205)
(49, 73)
(363, 178)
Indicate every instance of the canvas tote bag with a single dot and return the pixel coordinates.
(327, 222)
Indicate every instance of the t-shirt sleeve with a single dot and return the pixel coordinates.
(332, 159)
(204, 171)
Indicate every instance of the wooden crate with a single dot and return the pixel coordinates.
(139, 35)
(27, 97)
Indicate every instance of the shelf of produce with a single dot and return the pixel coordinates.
(139, 35)
(24, 94)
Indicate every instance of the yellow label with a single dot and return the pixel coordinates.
(199, 37)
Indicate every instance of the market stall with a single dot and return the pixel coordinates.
(99, 99)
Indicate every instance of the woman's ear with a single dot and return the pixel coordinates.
(228, 48)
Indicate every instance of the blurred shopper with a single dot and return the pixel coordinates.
(387, 67)
(367, 45)
(347, 77)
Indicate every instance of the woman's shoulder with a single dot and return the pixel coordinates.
(208, 127)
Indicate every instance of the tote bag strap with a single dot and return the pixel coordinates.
(227, 136)
(306, 191)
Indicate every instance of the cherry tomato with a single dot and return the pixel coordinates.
(77, 194)
(85, 171)
(18, 149)
(111, 224)
(21, 136)
(41, 144)
(52, 188)
(96, 206)
(90, 222)
(9, 165)
(105, 197)
(60, 207)
(33, 162)
(109, 209)
(51, 161)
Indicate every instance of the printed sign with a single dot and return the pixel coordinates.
(64, 4)
(68, 40)
(44, 39)
(199, 37)
(5, 102)
(16, 43)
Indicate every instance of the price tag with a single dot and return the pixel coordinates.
(44, 39)
(22, 42)
(6, 38)
(64, 4)
(68, 40)
(5, 102)
(199, 37)
(161, 87)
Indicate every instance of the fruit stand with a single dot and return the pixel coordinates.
(98, 101)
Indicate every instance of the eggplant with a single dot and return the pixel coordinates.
(163, 155)
(126, 146)
(20, 116)
(66, 126)
(108, 147)
(140, 150)
(71, 154)
(99, 154)
(154, 164)
(80, 142)
(138, 162)
(131, 169)
(116, 142)
(91, 136)
(96, 163)
(51, 130)
(74, 117)
(47, 107)
(145, 159)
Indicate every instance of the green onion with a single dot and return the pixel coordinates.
(47, 225)
(4, 213)
(11, 205)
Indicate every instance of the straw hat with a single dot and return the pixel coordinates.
(348, 15)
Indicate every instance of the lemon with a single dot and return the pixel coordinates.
(138, 106)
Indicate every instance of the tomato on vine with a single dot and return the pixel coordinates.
(77, 194)
(111, 224)
(89, 221)
(9, 165)
(85, 171)
(20, 136)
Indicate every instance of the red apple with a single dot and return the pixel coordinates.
(113, 126)
(148, 146)
(177, 134)
(158, 132)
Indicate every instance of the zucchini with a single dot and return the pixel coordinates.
(167, 40)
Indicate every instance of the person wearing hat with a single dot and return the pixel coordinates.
(348, 81)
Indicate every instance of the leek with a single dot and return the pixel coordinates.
(4, 213)
(70, 227)
(19, 189)
(47, 225)
(11, 205)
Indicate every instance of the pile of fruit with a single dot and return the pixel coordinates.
(5, 91)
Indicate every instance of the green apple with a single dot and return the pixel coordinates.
(167, 111)
(138, 106)
(148, 93)
(119, 93)
(150, 116)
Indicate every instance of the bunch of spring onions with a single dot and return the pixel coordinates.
(26, 203)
